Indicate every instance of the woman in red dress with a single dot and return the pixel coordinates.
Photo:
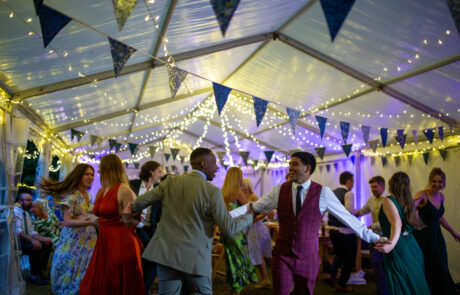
(115, 267)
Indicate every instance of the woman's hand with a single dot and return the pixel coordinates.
(456, 236)
(384, 246)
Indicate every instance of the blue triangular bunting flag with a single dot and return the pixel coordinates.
(346, 148)
(123, 9)
(225, 167)
(429, 133)
(182, 159)
(132, 148)
(75, 133)
(174, 153)
(353, 159)
(454, 7)
(167, 169)
(221, 93)
(384, 135)
(176, 77)
(117, 147)
(245, 156)
(167, 156)
(173, 167)
(384, 161)
(126, 165)
(401, 137)
(345, 128)
(185, 168)
(373, 144)
(112, 143)
(397, 160)
(410, 158)
(443, 154)
(269, 155)
(260, 107)
(293, 115)
(321, 124)
(336, 166)
(336, 12)
(51, 22)
(366, 130)
(224, 10)
(426, 156)
(441, 133)
(136, 165)
(320, 151)
(120, 54)
(328, 167)
(38, 5)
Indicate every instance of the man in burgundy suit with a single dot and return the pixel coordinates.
(301, 204)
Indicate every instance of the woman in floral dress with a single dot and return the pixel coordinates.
(78, 236)
(45, 222)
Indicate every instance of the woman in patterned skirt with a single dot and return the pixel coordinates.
(78, 236)
(45, 222)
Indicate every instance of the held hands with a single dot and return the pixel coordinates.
(129, 218)
(384, 245)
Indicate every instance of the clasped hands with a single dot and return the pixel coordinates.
(130, 218)
(384, 245)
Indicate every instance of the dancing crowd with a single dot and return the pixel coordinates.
(163, 227)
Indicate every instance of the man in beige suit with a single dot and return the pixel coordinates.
(182, 243)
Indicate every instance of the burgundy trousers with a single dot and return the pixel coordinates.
(289, 272)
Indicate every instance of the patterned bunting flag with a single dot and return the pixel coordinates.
(441, 133)
(328, 167)
(414, 133)
(269, 155)
(174, 153)
(373, 144)
(176, 77)
(397, 160)
(346, 148)
(443, 154)
(136, 165)
(401, 137)
(293, 115)
(132, 148)
(224, 10)
(454, 7)
(167, 156)
(426, 156)
(345, 128)
(221, 93)
(410, 158)
(320, 151)
(221, 155)
(185, 168)
(366, 130)
(353, 159)
(336, 12)
(429, 133)
(123, 9)
(75, 133)
(112, 143)
(117, 147)
(244, 156)
(151, 151)
(384, 161)
(260, 107)
(120, 54)
(51, 22)
(321, 124)
(182, 159)
(384, 135)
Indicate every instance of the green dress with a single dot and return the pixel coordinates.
(47, 227)
(240, 271)
(403, 266)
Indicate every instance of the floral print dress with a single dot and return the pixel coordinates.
(74, 249)
(47, 227)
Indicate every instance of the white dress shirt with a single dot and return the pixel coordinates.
(19, 215)
(147, 212)
(372, 206)
(328, 202)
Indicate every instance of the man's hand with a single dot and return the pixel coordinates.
(36, 244)
(129, 218)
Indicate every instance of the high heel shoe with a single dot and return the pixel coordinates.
(263, 284)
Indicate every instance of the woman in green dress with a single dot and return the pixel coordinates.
(45, 222)
(240, 271)
(402, 259)
(430, 206)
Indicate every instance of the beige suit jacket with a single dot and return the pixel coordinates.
(190, 208)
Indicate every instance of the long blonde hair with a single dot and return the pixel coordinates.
(112, 171)
(232, 184)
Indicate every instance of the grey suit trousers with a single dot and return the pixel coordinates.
(170, 282)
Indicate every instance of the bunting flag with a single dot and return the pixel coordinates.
(328, 167)
(132, 148)
(426, 156)
(372, 161)
(345, 128)
(92, 157)
(336, 12)
(51, 22)
(384, 161)
(443, 154)
(221, 155)
(117, 146)
(221, 93)
(38, 5)
(176, 77)
(410, 158)
(123, 9)
(126, 165)
(336, 166)
(256, 162)
(384, 135)
(260, 107)
(366, 130)
(454, 7)
(320, 168)
(120, 54)
(353, 159)
(75, 133)
(93, 139)
(167, 156)
(185, 168)
(174, 153)
(225, 167)
(397, 161)
(182, 159)
(401, 137)
(321, 124)
(320, 151)
(293, 115)
(136, 165)
(112, 143)
(224, 10)
(429, 133)
(245, 156)
(346, 148)
(151, 151)
(173, 167)
(167, 169)
(269, 155)
(373, 144)
(441, 133)
(414, 133)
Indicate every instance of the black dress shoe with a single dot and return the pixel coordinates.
(35, 280)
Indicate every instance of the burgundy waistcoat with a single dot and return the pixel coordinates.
(298, 235)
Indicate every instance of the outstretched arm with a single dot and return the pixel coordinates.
(447, 226)
(391, 212)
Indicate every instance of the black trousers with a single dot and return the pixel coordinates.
(345, 247)
(38, 259)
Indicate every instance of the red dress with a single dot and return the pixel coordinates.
(115, 267)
